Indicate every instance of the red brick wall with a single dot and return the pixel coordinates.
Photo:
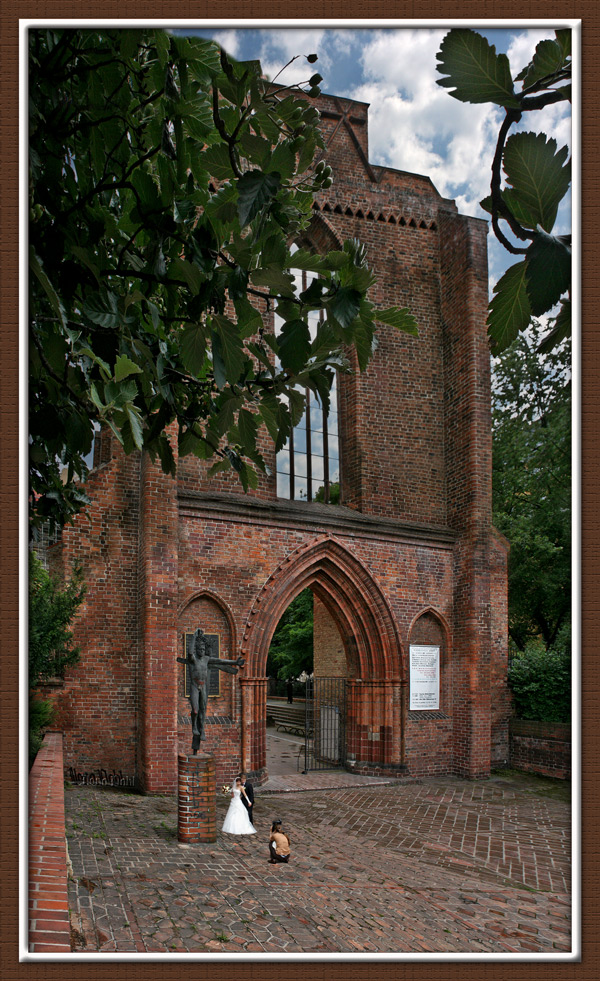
(468, 475)
(541, 747)
(98, 705)
(328, 646)
(501, 701)
(48, 900)
(157, 604)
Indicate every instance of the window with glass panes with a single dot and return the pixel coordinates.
(309, 463)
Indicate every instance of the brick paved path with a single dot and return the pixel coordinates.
(440, 866)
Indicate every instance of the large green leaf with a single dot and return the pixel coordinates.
(399, 318)
(510, 311)
(249, 319)
(198, 117)
(229, 404)
(181, 269)
(313, 262)
(294, 345)
(222, 206)
(282, 160)
(135, 423)
(273, 252)
(475, 72)
(193, 348)
(539, 176)
(204, 58)
(124, 367)
(275, 278)
(228, 347)
(365, 344)
(217, 162)
(36, 267)
(147, 189)
(101, 308)
(548, 272)
(563, 38)
(344, 305)
(255, 190)
(297, 405)
(547, 60)
(247, 428)
(269, 411)
(254, 148)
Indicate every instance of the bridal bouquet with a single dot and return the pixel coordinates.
(225, 790)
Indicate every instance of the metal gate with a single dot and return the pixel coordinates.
(325, 724)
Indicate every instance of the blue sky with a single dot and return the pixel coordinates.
(414, 125)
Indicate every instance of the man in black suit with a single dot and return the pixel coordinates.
(249, 802)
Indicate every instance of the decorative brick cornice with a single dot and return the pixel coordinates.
(384, 216)
(334, 519)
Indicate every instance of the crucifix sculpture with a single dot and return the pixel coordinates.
(198, 665)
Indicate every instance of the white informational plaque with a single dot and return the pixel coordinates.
(424, 677)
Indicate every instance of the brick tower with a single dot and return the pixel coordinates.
(406, 567)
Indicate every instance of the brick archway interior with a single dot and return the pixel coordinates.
(371, 642)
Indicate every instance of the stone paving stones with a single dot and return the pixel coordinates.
(444, 865)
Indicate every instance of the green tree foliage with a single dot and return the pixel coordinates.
(334, 493)
(532, 483)
(291, 650)
(52, 606)
(537, 176)
(167, 185)
(540, 680)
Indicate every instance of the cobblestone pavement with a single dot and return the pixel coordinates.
(442, 865)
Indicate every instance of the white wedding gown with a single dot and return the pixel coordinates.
(236, 820)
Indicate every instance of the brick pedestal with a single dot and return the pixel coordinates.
(197, 808)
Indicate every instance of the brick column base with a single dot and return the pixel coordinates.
(197, 806)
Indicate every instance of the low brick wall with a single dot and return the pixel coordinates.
(49, 927)
(540, 747)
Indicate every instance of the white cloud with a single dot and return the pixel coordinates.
(229, 41)
(415, 125)
(277, 48)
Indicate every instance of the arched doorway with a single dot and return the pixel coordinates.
(307, 671)
(373, 653)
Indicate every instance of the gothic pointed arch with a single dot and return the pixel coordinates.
(213, 598)
(355, 601)
(321, 235)
(433, 612)
(430, 628)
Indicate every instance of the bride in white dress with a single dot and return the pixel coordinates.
(236, 820)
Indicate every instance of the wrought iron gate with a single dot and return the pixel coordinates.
(325, 747)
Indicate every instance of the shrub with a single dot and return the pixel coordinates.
(540, 680)
(52, 606)
(41, 714)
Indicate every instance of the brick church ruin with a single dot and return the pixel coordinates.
(407, 572)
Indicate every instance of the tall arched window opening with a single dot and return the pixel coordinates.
(308, 466)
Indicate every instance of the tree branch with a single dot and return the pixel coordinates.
(499, 208)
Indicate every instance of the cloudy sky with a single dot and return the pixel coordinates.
(414, 125)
